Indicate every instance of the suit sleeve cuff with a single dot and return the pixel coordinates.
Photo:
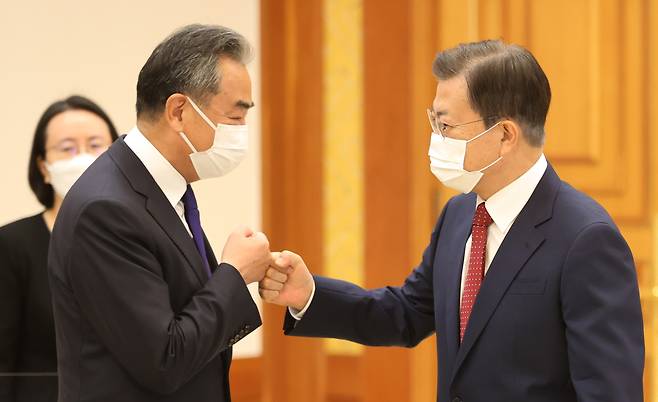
(299, 314)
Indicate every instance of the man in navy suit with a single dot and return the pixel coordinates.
(527, 282)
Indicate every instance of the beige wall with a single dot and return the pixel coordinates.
(50, 49)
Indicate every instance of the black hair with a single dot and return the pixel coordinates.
(504, 81)
(42, 190)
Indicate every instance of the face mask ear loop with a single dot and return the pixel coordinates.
(203, 115)
(187, 141)
(491, 164)
(478, 136)
(483, 133)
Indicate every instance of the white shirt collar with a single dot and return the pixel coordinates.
(507, 203)
(172, 183)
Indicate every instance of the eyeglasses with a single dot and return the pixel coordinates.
(440, 128)
(71, 149)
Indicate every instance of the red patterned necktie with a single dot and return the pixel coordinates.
(475, 275)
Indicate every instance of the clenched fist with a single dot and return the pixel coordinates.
(287, 282)
(249, 253)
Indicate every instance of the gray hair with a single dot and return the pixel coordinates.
(186, 62)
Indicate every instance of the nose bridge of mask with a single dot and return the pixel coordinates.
(452, 146)
(232, 136)
(449, 151)
(83, 159)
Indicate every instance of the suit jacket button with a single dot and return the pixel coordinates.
(457, 399)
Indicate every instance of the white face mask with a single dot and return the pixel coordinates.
(447, 157)
(228, 149)
(64, 173)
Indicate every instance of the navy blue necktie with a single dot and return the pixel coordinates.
(194, 223)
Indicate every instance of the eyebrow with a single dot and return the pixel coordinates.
(63, 141)
(242, 104)
(71, 139)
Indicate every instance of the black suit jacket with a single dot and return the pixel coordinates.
(557, 318)
(28, 362)
(136, 317)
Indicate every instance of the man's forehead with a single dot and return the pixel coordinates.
(231, 99)
(235, 89)
(450, 92)
(452, 86)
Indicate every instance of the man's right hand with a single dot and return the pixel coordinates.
(287, 282)
(249, 253)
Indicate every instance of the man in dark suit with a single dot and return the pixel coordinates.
(143, 311)
(528, 284)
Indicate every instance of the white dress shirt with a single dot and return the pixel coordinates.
(172, 183)
(504, 207)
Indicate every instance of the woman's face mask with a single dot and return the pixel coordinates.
(65, 172)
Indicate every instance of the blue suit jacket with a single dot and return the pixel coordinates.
(557, 318)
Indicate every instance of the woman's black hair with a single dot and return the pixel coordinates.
(42, 190)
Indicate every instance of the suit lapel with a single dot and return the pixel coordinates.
(450, 268)
(158, 205)
(519, 245)
(169, 221)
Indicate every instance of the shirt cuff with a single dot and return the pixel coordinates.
(298, 315)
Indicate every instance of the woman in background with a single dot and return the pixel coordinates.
(70, 135)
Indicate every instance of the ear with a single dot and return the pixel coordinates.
(41, 164)
(511, 135)
(173, 112)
